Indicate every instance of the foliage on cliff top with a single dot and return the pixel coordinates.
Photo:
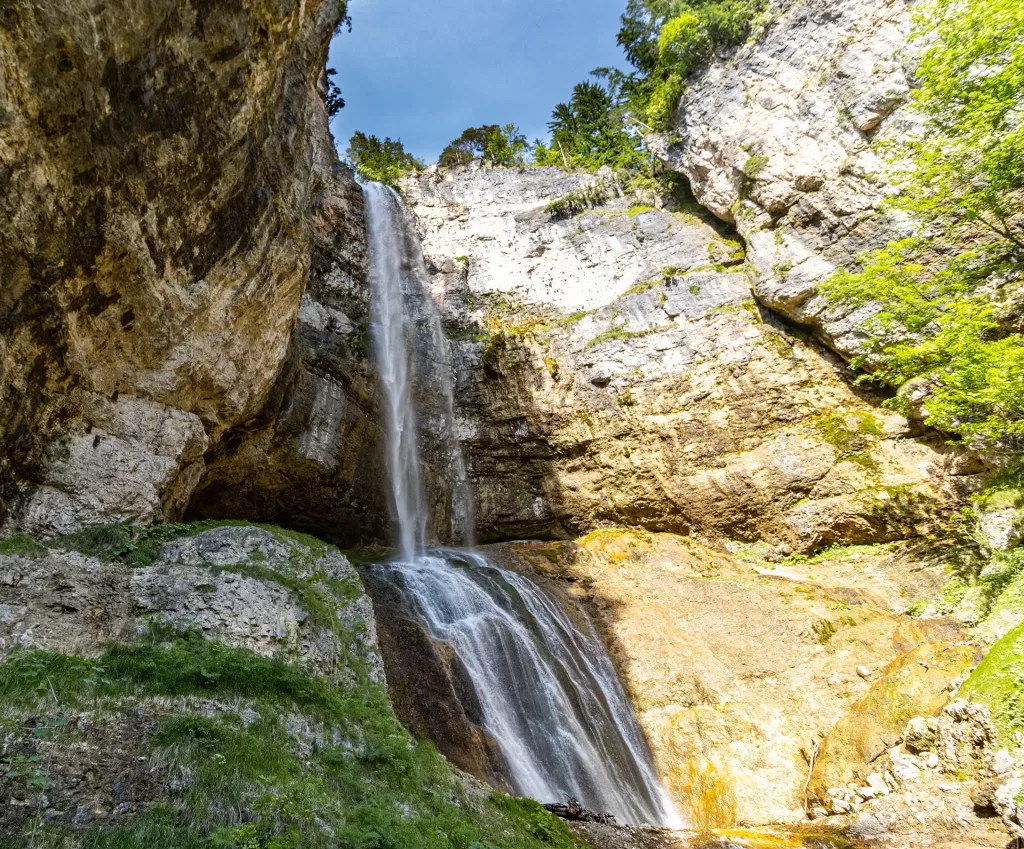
(381, 161)
(502, 146)
(589, 131)
(257, 782)
(943, 312)
(667, 40)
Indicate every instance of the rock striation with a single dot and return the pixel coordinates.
(781, 139)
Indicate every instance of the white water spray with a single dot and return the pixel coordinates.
(548, 693)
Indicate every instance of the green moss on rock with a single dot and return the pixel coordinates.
(998, 683)
(915, 684)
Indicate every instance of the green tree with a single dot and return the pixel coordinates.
(333, 99)
(380, 161)
(667, 40)
(940, 300)
(503, 146)
(506, 146)
(589, 130)
(472, 144)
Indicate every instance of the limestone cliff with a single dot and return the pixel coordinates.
(157, 165)
(781, 139)
(614, 368)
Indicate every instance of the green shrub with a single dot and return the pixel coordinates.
(663, 102)
(998, 683)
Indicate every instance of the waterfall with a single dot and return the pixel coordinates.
(415, 369)
(548, 693)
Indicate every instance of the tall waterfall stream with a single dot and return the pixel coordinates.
(548, 692)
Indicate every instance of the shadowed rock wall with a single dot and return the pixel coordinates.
(157, 165)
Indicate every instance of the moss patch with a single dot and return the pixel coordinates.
(998, 683)
(1004, 492)
(848, 442)
(915, 684)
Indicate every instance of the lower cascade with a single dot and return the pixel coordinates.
(548, 692)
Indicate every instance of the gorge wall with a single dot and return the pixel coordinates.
(184, 334)
(159, 238)
(615, 368)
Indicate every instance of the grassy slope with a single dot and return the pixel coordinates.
(320, 766)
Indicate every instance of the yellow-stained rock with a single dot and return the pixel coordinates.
(915, 684)
(734, 671)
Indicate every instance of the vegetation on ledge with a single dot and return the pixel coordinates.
(381, 161)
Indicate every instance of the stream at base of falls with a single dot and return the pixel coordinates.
(549, 694)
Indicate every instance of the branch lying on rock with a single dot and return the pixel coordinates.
(572, 810)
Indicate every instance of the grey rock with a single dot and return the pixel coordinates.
(220, 581)
(920, 734)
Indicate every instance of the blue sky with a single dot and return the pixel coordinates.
(424, 70)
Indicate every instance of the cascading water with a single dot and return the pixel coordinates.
(548, 692)
(412, 354)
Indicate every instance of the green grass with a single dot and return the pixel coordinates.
(840, 552)
(22, 546)
(998, 683)
(1005, 491)
(366, 785)
(619, 332)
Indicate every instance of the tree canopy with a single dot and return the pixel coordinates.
(380, 161)
(499, 145)
(667, 40)
(590, 131)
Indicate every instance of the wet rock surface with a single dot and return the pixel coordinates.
(755, 679)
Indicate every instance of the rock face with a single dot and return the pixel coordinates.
(228, 631)
(245, 586)
(779, 139)
(313, 457)
(678, 405)
(157, 163)
(745, 673)
(730, 723)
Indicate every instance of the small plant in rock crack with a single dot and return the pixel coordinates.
(280, 823)
(28, 769)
